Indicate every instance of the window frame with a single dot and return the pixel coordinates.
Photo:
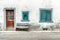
(22, 16)
(46, 18)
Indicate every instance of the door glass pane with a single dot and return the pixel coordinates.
(10, 15)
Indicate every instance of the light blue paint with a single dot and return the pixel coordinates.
(4, 18)
(14, 17)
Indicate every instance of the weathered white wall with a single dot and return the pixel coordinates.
(56, 10)
(32, 6)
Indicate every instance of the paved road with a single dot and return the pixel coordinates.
(29, 35)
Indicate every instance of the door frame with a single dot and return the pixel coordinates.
(5, 17)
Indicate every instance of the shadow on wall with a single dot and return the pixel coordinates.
(38, 27)
(1, 27)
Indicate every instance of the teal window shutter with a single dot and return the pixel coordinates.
(45, 15)
(25, 15)
(48, 13)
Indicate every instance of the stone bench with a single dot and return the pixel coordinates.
(22, 27)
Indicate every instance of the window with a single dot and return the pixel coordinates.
(10, 15)
(25, 15)
(45, 15)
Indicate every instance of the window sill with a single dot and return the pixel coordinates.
(46, 22)
(25, 20)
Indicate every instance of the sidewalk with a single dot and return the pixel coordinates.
(29, 35)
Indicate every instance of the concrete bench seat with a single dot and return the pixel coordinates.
(22, 26)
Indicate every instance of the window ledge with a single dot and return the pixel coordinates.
(25, 20)
(46, 22)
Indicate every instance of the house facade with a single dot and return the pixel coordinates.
(14, 12)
